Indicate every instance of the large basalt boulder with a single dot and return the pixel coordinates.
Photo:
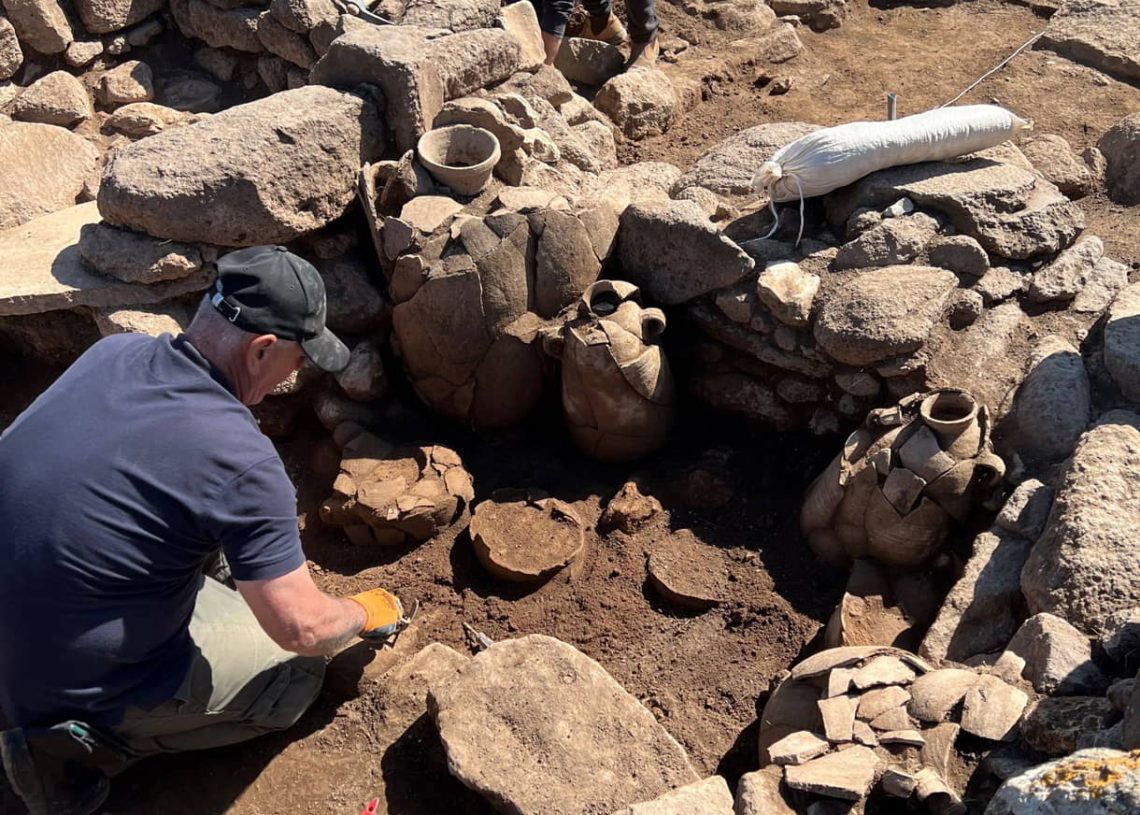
(260, 173)
(728, 167)
(641, 102)
(1053, 157)
(11, 55)
(1011, 211)
(1051, 407)
(617, 389)
(418, 69)
(1122, 342)
(42, 25)
(1102, 33)
(1088, 782)
(105, 16)
(225, 28)
(454, 15)
(55, 99)
(537, 708)
(46, 169)
(881, 314)
(1121, 148)
(675, 254)
(1082, 568)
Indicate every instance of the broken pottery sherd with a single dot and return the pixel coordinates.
(525, 536)
(686, 572)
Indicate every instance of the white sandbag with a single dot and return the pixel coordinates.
(834, 157)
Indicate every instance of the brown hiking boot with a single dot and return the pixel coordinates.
(643, 54)
(610, 30)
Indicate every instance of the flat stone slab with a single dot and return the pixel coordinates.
(848, 775)
(1102, 33)
(43, 271)
(797, 748)
(525, 537)
(992, 708)
(686, 572)
(537, 727)
(707, 797)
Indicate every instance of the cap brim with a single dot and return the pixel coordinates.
(326, 351)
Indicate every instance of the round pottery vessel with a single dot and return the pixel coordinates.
(460, 157)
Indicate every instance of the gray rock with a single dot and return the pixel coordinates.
(598, 138)
(1053, 158)
(1009, 210)
(41, 25)
(893, 242)
(1120, 694)
(191, 94)
(1111, 738)
(992, 708)
(958, 253)
(1058, 657)
(983, 609)
(1101, 33)
(820, 15)
(259, 173)
(1051, 407)
(130, 82)
(454, 15)
(1082, 566)
(302, 16)
(707, 797)
(220, 28)
(142, 119)
(1000, 283)
(1064, 278)
(1119, 635)
(105, 16)
(1105, 281)
(1089, 782)
(641, 102)
(1121, 148)
(788, 292)
(417, 69)
(727, 168)
(355, 304)
(287, 44)
(1130, 732)
(1122, 342)
(165, 318)
(1026, 509)
(675, 254)
(1054, 724)
(521, 21)
(136, 258)
(43, 270)
(536, 707)
(742, 395)
(11, 55)
(363, 379)
(588, 62)
(55, 99)
(45, 169)
(761, 793)
(82, 53)
(883, 313)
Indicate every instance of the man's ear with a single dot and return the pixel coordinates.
(260, 345)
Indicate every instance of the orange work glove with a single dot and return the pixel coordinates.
(384, 615)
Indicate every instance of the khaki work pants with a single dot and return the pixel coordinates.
(240, 684)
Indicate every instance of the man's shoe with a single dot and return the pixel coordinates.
(608, 30)
(643, 54)
(49, 785)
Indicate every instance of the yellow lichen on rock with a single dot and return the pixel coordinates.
(1095, 775)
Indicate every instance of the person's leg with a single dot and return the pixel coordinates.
(602, 24)
(643, 23)
(240, 684)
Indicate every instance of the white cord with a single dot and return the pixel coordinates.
(996, 68)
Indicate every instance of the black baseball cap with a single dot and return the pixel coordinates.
(269, 290)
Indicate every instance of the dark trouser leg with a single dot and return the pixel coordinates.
(597, 9)
(643, 21)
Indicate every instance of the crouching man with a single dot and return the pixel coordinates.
(118, 486)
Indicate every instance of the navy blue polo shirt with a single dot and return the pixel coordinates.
(116, 485)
